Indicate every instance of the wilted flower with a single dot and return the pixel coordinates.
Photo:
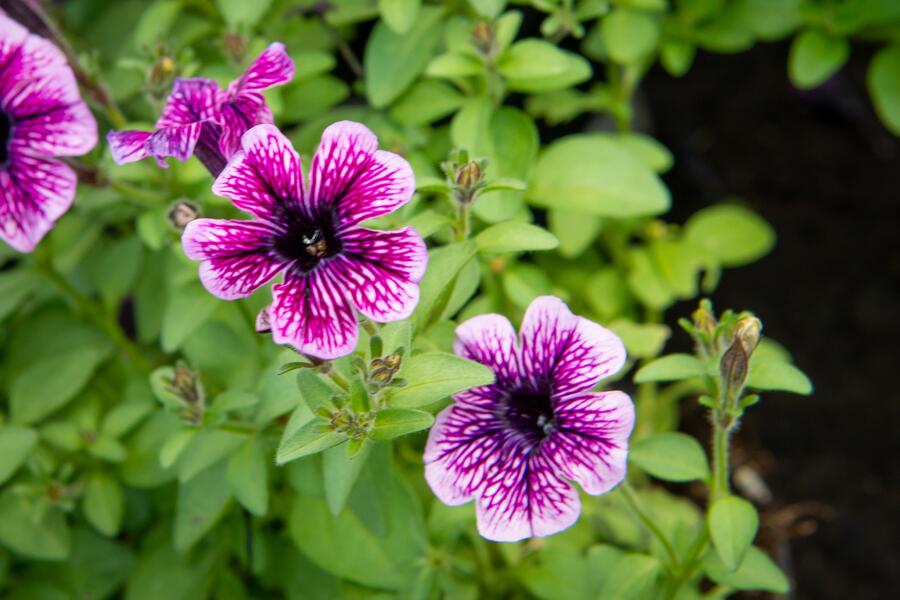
(42, 117)
(199, 106)
(515, 444)
(312, 233)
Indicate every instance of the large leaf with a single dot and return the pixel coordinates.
(732, 525)
(44, 538)
(671, 456)
(756, 572)
(433, 376)
(594, 174)
(201, 503)
(15, 445)
(733, 235)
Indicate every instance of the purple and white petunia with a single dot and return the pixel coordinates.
(311, 233)
(198, 109)
(42, 117)
(515, 445)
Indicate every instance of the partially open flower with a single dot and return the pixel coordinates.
(42, 117)
(199, 106)
(514, 445)
(311, 233)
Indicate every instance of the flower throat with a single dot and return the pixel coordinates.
(5, 137)
(530, 413)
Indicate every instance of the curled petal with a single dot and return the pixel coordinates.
(236, 256)
(65, 131)
(525, 498)
(384, 185)
(590, 442)
(272, 67)
(191, 100)
(34, 193)
(343, 154)
(491, 340)
(178, 141)
(381, 271)
(237, 116)
(463, 446)
(311, 313)
(570, 353)
(128, 146)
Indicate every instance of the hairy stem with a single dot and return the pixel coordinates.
(630, 496)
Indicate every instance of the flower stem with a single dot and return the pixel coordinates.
(463, 225)
(690, 562)
(720, 487)
(630, 496)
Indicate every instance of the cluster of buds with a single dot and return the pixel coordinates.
(180, 389)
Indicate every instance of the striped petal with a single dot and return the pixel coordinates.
(34, 193)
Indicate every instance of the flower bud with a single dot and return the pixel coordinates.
(704, 320)
(483, 37)
(382, 370)
(182, 213)
(733, 367)
(161, 71)
(469, 175)
(748, 331)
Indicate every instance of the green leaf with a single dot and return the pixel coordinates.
(433, 376)
(646, 282)
(53, 381)
(399, 14)
(513, 236)
(16, 444)
(393, 60)
(533, 65)
(343, 471)
(247, 470)
(201, 503)
(733, 235)
(756, 572)
(188, 308)
(312, 438)
(524, 282)
(43, 537)
(240, 12)
(671, 456)
(15, 286)
(488, 8)
(444, 264)
(767, 373)
(630, 35)
(425, 102)
(394, 422)
(883, 80)
(454, 65)
(632, 577)
(311, 97)
(575, 231)
(124, 417)
(642, 340)
(673, 367)
(815, 56)
(594, 174)
(156, 20)
(103, 503)
(174, 445)
(733, 523)
(205, 449)
(651, 152)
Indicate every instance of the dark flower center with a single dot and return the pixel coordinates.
(306, 241)
(6, 127)
(529, 413)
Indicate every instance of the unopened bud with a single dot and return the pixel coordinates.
(469, 175)
(235, 44)
(483, 37)
(182, 214)
(734, 366)
(382, 370)
(704, 320)
(263, 324)
(162, 71)
(747, 331)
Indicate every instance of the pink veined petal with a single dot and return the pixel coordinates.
(236, 255)
(344, 152)
(590, 442)
(178, 141)
(491, 340)
(272, 67)
(381, 271)
(34, 193)
(11, 37)
(523, 497)
(128, 146)
(463, 447)
(191, 100)
(384, 185)
(265, 177)
(310, 312)
(570, 353)
(36, 79)
(237, 116)
(65, 131)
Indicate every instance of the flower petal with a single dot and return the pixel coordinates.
(128, 146)
(343, 154)
(386, 184)
(236, 255)
(523, 497)
(65, 131)
(178, 141)
(191, 100)
(34, 193)
(590, 442)
(272, 67)
(36, 79)
(570, 353)
(239, 115)
(311, 313)
(11, 37)
(381, 271)
(491, 340)
(463, 446)
(265, 177)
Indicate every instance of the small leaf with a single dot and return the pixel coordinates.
(756, 572)
(433, 376)
(733, 235)
(104, 503)
(206, 448)
(533, 65)
(343, 471)
(774, 375)
(425, 102)
(815, 56)
(247, 477)
(16, 444)
(312, 438)
(673, 367)
(883, 80)
(629, 35)
(41, 536)
(240, 12)
(444, 264)
(399, 14)
(188, 308)
(201, 503)
(394, 422)
(513, 236)
(733, 523)
(671, 456)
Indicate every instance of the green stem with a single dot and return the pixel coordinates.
(720, 487)
(100, 319)
(462, 227)
(370, 327)
(141, 197)
(632, 500)
(690, 563)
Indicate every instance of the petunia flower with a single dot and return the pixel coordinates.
(199, 111)
(42, 117)
(515, 445)
(311, 233)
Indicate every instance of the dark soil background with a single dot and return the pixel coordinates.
(825, 173)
